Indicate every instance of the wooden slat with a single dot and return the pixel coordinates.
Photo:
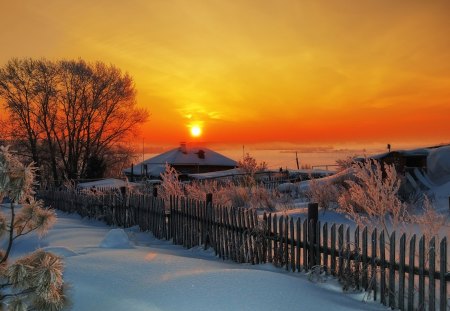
(382, 269)
(341, 251)
(281, 243)
(333, 249)
(292, 237)
(286, 244)
(305, 244)
(298, 241)
(317, 246)
(325, 247)
(442, 275)
(412, 255)
(275, 239)
(392, 302)
(431, 278)
(246, 236)
(421, 291)
(347, 251)
(265, 239)
(312, 250)
(373, 275)
(269, 239)
(365, 262)
(357, 260)
(401, 273)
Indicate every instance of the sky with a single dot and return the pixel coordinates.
(256, 71)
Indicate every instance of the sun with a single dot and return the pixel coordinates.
(196, 131)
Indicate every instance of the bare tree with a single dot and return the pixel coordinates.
(17, 89)
(73, 112)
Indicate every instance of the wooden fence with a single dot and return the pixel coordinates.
(398, 271)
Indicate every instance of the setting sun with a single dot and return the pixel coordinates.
(196, 131)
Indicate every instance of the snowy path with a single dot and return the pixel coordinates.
(156, 275)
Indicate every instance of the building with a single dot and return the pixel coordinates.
(186, 160)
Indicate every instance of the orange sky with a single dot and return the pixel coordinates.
(255, 71)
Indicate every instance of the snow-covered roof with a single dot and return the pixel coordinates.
(105, 183)
(412, 152)
(183, 155)
(312, 172)
(218, 174)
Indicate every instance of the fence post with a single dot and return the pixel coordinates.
(208, 217)
(313, 216)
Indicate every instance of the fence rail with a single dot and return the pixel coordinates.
(397, 271)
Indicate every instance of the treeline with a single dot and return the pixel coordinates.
(70, 117)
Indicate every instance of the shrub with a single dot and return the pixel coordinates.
(371, 199)
(170, 185)
(429, 221)
(323, 192)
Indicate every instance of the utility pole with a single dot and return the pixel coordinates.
(296, 159)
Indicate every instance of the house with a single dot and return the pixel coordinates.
(414, 164)
(185, 159)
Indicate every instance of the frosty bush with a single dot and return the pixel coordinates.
(345, 163)
(250, 167)
(325, 193)
(33, 282)
(170, 185)
(429, 221)
(225, 193)
(371, 199)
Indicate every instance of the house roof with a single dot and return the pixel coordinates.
(407, 153)
(183, 155)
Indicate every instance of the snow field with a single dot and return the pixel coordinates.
(139, 272)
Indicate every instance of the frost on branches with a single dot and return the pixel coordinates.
(33, 282)
(371, 199)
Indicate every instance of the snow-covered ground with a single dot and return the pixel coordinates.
(110, 270)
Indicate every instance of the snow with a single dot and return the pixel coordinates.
(116, 238)
(441, 195)
(105, 183)
(219, 174)
(156, 275)
(438, 165)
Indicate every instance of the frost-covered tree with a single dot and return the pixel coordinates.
(250, 166)
(35, 281)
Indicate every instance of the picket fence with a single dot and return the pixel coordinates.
(396, 271)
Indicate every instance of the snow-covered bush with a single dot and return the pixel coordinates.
(224, 193)
(170, 184)
(429, 221)
(33, 282)
(372, 198)
(197, 190)
(250, 167)
(325, 193)
(345, 163)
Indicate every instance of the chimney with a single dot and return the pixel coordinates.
(201, 154)
(183, 147)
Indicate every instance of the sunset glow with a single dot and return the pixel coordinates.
(262, 72)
